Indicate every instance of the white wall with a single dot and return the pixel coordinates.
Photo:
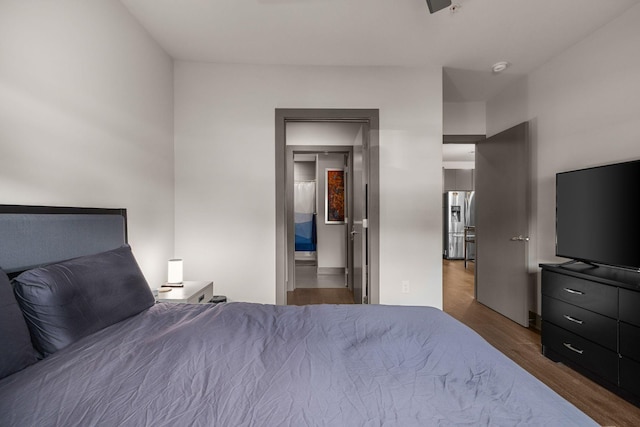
(225, 116)
(304, 170)
(584, 110)
(464, 118)
(86, 117)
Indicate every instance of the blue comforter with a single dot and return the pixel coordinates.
(241, 364)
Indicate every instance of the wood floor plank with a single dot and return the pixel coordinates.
(306, 296)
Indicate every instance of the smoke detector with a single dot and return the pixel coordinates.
(499, 67)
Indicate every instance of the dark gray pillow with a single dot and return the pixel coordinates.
(16, 351)
(66, 301)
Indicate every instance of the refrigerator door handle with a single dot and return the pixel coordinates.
(519, 238)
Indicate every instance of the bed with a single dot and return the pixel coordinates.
(94, 349)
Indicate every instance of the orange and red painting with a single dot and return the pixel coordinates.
(335, 212)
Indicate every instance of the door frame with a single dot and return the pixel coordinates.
(371, 118)
(292, 150)
(474, 139)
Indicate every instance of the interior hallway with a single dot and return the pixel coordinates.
(523, 346)
(307, 277)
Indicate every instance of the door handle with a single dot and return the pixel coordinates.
(573, 319)
(572, 348)
(353, 233)
(519, 238)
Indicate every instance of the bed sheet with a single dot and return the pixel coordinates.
(240, 364)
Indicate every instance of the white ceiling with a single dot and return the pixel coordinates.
(526, 33)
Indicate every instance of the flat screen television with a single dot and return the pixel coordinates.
(598, 215)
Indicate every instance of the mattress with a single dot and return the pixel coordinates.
(241, 364)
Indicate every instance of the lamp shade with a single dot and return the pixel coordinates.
(175, 271)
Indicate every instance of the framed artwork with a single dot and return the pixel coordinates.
(334, 207)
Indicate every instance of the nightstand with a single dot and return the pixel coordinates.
(191, 292)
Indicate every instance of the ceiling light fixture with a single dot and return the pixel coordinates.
(499, 67)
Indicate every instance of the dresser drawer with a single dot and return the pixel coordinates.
(592, 296)
(630, 306)
(630, 341)
(596, 327)
(630, 375)
(595, 358)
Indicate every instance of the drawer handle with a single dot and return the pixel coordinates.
(573, 291)
(200, 298)
(572, 348)
(573, 319)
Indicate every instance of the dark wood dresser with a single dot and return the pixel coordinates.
(591, 322)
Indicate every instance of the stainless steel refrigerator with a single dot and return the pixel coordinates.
(458, 214)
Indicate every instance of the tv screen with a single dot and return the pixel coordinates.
(598, 215)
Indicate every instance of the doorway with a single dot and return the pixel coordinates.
(363, 229)
(321, 273)
(458, 205)
(502, 193)
(322, 251)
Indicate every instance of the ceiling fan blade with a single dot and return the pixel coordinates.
(436, 5)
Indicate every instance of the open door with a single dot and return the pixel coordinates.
(371, 188)
(502, 223)
(358, 232)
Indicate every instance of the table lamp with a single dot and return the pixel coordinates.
(174, 277)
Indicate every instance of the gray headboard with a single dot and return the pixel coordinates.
(31, 236)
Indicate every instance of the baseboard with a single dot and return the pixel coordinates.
(304, 255)
(331, 270)
(535, 321)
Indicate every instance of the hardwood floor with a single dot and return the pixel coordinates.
(302, 296)
(523, 346)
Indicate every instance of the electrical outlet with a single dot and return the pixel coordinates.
(405, 287)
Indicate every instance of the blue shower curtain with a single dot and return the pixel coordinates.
(304, 197)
